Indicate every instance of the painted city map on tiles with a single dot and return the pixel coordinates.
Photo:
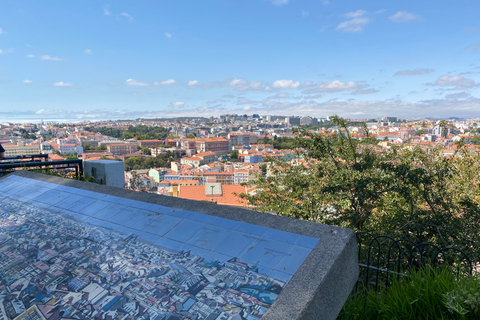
(52, 267)
(77, 263)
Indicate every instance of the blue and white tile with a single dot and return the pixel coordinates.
(266, 252)
(170, 244)
(200, 217)
(282, 276)
(110, 212)
(162, 224)
(251, 228)
(293, 259)
(81, 204)
(208, 237)
(307, 242)
(225, 223)
(280, 235)
(94, 208)
(185, 230)
(235, 243)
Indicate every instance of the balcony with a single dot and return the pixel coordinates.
(40, 162)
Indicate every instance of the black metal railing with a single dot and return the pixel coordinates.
(40, 162)
(23, 158)
(382, 258)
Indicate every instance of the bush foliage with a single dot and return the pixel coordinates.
(404, 192)
(426, 294)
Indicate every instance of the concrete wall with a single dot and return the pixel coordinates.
(108, 172)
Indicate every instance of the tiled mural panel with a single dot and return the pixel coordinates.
(75, 254)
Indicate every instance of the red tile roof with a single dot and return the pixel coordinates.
(228, 196)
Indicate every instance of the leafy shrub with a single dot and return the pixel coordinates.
(426, 294)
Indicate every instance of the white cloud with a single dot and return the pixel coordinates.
(126, 15)
(164, 83)
(106, 10)
(167, 35)
(243, 101)
(365, 91)
(286, 84)
(87, 51)
(10, 50)
(255, 85)
(2, 31)
(353, 25)
(414, 72)
(279, 2)
(178, 104)
(133, 82)
(62, 84)
(333, 86)
(26, 81)
(278, 96)
(351, 108)
(457, 82)
(30, 56)
(458, 95)
(47, 57)
(403, 16)
(356, 14)
(356, 23)
(236, 82)
(241, 84)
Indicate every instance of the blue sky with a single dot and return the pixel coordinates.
(128, 59)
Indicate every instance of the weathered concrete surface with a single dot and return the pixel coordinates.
(321, 284)
(107, 172)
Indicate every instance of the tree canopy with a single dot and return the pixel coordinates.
(405, 192)
(141, 132)
(162, 160)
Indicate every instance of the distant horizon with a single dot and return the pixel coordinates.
(37, 120)
(118, 59)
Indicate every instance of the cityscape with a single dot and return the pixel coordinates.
(213, 159)
(359, 115)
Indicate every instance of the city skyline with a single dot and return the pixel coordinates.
(121, 60)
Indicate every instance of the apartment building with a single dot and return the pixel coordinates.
(118, 149)
(217, 145)
(242, 139)
(20, 149)
(150, 143)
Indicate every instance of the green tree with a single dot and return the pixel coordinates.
(146, 151)
(475, 140)
(412, 193)
(263, 168)
(71, 156)
(234, 155)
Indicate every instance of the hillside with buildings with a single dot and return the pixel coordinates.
(212, 159)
